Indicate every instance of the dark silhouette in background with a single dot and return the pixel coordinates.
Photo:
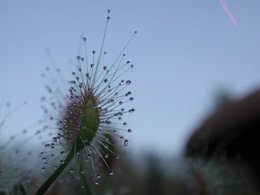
(231, 133)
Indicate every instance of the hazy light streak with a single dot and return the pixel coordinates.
(228, 12)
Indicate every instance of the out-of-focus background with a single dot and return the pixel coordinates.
(188, 56)
(183, 54)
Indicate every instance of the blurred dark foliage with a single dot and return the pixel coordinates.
(231, 133)
(221, 157)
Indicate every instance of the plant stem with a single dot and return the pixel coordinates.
(83, 179)
(45, 186)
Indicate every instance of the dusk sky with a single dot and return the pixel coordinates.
(183, 53)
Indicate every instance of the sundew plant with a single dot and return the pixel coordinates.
(85, 119)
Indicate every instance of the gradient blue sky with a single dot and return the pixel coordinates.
(184, 51)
